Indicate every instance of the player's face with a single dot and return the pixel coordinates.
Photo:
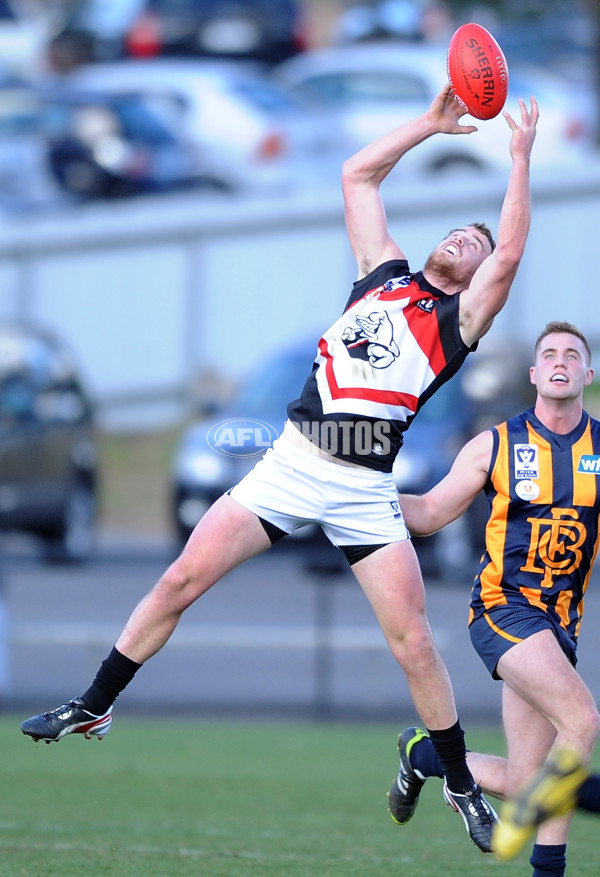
(458, 256)
(561, 370)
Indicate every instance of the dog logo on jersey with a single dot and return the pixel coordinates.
(372, 338)
(426, 304)
(526, 462)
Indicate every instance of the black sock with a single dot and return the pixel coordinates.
(450, 747)
(588, 796)
(116, 671)
(548, 861)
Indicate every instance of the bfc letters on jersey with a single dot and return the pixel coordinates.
(395, 344)
(542, 534)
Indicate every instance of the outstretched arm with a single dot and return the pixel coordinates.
(489, 288)
(363, 174)
(453, 494)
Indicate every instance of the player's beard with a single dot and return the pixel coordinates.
(446, 270)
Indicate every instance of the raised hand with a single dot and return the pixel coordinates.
(523, 135)
(446, 110)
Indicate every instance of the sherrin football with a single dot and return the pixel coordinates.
(477, 71)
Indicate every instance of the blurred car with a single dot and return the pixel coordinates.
(368, 89)
(48, 454)
(103, 30)
(214, 453)
(22, 38)
(26, 181)
(101, 144)
(248, 133)
(548, 36)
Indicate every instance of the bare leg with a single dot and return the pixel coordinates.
(545, 704)
(392, 581)
(538, 671)
(227, 535)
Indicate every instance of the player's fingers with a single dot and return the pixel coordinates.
(535, 112)
(511, 122)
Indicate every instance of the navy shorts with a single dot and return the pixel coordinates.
(502, 627)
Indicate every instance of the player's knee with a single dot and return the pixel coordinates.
(179, 585)
(593, 725)
(414, 643)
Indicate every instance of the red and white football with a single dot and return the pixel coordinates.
(477, 71)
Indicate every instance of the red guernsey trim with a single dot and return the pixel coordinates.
(425, 330)
(387, 397)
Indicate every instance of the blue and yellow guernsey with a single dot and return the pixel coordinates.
(542, 534)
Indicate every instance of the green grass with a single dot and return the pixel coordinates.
(171, 799)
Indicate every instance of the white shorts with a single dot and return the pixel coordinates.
(290, 488)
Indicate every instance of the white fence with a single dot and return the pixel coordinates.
(153, 293)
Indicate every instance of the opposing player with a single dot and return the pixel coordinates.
(539, 472)
(400, 337)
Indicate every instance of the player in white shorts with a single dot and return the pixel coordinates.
(291, 486)
(400, 336)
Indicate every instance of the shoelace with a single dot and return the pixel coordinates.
(61, 709)
(478, 806)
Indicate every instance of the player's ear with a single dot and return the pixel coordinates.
(532, 374)
(589, 376)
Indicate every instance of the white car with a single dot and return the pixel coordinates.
(23, 37)
(249, 134)
(369, 88)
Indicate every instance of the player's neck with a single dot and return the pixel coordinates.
(559, 415)
(441, 281)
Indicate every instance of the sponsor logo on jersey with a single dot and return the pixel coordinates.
(426, 304)
(589, 464)
(396, 283)
(526, 462)
(527, 490)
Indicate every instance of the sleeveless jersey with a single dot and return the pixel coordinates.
(542, 533)
(396, 343)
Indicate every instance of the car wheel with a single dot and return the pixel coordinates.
(78, 177)
(454, 163)
(74, 541)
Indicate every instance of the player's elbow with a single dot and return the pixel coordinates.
(417, 519)
(351, 172)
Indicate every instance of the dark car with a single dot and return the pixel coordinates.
(102, 144)
(48, 454)
(268, 31)
(214, 453)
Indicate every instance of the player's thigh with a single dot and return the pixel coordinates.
(540, 673)
(391, 580)
(227, 535)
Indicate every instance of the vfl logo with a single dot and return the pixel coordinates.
(589, 464)
(526, 461)
(554, 545)
(244, 438)
(396, 511)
